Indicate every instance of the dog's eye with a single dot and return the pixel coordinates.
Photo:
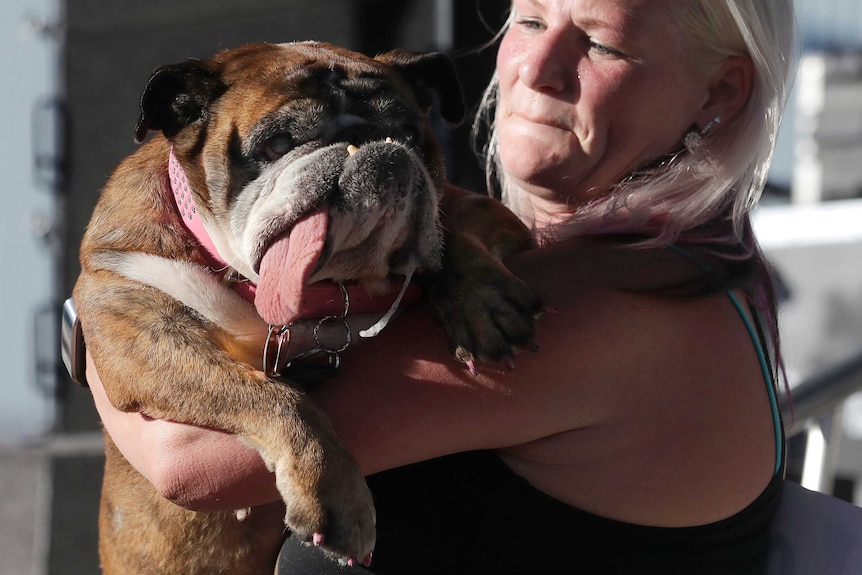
(277, 146)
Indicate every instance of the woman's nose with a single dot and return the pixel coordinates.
(548, 64)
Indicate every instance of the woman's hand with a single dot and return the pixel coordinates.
(196, 468)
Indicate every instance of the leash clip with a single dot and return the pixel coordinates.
(279, 337)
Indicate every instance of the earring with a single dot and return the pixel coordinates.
(694, 139)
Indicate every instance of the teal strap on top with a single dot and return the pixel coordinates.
(765, 367)
(767, 376)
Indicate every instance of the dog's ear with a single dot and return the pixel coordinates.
(430, 73)
(175, 97)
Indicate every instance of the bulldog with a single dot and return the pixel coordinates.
(283, 182)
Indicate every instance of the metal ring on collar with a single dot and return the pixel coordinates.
(348, 339)
(346, 297)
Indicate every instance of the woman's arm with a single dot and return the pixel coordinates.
(206, 469)
(401, 397)
(196, 468)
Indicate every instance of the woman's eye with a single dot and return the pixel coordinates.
(530, 23)
(603, 50)
(277, 146)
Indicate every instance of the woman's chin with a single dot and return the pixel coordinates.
(539, 173)
(540, 162)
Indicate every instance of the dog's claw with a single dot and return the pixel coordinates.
(352, 562)
(509, 362)
(471, 367)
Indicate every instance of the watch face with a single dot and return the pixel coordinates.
(72, 348)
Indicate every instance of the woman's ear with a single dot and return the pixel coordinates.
(729, 90)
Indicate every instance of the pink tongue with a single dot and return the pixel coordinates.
(287, 266)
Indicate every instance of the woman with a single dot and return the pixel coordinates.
(633, 136)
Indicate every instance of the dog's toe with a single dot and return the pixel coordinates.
(339, 518)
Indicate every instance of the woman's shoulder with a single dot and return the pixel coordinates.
(616, 324)
(638, 383)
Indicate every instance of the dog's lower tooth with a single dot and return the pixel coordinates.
(351, 149)
(388, 140)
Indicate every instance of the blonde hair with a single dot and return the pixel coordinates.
(719, 180)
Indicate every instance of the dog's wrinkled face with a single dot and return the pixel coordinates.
(309, 162)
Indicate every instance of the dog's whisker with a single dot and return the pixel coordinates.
(232, 275)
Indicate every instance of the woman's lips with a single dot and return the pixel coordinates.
(544, 119)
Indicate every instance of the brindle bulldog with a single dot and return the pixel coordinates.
(277, 173)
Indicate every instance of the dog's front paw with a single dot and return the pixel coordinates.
(330, 506)
(486, 311)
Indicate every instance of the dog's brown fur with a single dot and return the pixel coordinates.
(157, 356)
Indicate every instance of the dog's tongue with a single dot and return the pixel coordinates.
(286, 267)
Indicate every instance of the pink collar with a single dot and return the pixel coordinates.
(187, 208)
(322, 299)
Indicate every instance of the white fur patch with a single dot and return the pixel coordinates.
(196, 287)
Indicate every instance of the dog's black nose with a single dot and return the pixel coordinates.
(352, 129)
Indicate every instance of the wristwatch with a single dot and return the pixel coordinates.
(72, 347)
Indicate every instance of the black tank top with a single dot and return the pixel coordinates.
(469, 514)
